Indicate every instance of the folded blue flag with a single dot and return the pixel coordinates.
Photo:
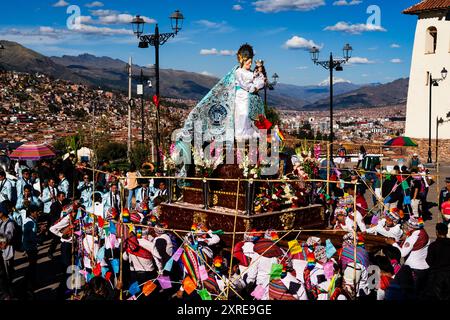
(101, 254)
(115, 265)
(388, 198)
(134, 289)
(112, 228)
(330, 250)
(104, 271)
(407, 200)
(169, 264)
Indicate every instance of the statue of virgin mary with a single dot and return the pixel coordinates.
(227, 113)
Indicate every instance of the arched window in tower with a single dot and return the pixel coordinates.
(431, 40)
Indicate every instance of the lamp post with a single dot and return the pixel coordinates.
(439, 121)
(270, 86)
(433, 82)
(140, 92)
(2, 48)
(156, 40)
(331, 65)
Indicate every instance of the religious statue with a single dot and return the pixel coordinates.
(229, 111)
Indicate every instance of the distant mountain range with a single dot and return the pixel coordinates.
(111, 74)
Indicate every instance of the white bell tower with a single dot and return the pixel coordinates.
(431, 54)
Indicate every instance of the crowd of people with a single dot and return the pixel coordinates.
(78, 210)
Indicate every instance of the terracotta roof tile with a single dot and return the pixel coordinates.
(428, 5)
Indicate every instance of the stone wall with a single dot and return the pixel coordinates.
(422, 150)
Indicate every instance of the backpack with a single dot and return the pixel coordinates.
(16, 240)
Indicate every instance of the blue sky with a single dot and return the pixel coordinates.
(281, 32)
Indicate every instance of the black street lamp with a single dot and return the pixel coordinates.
(332, 64)
(439, 121)
(156, 40)
(433, 82)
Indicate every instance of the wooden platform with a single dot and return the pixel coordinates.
(182, 215)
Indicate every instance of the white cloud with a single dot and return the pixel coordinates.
(61, 3)
(227, 52)
(360, 60)
(95, 4)
(215, 52)
(208, 52)
(237, 7)
(269, 6)
(396, 60)
(86, 19)
(220, 27)
(121, 18)
(326, 82)
(208, 74)
(210, 24)
(354, 28)
(103, 12)
(297, 42)
(46, 30)
(346, 3)
(82, 28)
(395, 45)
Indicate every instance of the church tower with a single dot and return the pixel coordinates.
(431, 54)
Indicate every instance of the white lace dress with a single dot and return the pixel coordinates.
(246, 83)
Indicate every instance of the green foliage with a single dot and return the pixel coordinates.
(111, 151)
(140, 153)
(273, 116)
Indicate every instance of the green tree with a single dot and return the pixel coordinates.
(273, 116)
(111, 151)
(140, 153)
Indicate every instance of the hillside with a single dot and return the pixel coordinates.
(111, 74)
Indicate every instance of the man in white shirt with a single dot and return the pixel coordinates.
(138, 253)
(22, 182)
(7, 250)
(64, 230)
(415, 249)
(388, 226)
(162, 247)
(160, 192)
(144, 194)
(111, 199)
(5, 188)
(64, 185)
(49, 195)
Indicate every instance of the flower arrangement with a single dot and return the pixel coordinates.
(279, 196)
(204, 166)
(249, 169)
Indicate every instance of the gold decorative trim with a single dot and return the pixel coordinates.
(288, 220)
(215, 199)
(200, 217)
(247, 224)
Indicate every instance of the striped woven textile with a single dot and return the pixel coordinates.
(211, 285)
(278, 291)
(362, 257)
(190, 262)
(267, 248)
(32, 151)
